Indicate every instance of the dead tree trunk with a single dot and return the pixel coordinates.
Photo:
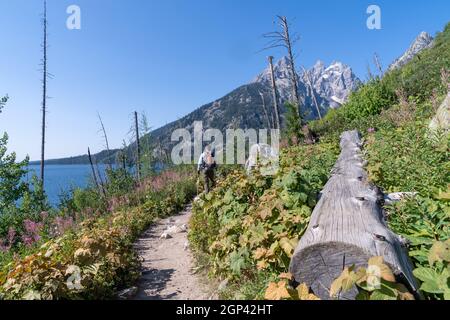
(348, 227)
(274, 94)
(94, 174)
(138, 148)
(308, 79)
(105, 137)
(269, 125)
(286, 40)
(101, 181)
(287, 37)
(377, 62)
(44, 93)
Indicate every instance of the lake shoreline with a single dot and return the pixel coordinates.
(63, 178)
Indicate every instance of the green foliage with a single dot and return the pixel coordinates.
(11, 172)
(34, 200)
(293, 129)
(371, 286)
(3, 101)
(251, 224)
(120, 181)
(96, 258)
(422, 75)
(404, 159)
(420, 78)
(147, 159)
(436, 278)
(88, 198)
(370, 99)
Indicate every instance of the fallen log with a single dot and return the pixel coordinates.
(348, 227)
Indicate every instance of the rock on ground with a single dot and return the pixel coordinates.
(441, 121)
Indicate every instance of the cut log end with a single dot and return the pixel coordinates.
(319, 265)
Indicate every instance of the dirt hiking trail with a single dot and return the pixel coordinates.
(168, 265)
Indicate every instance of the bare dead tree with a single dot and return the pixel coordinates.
(94, 174)
(308, 79)
(102, 182)
(269, 125)
(274, 93)
(377, 62)
(370, 75)
(44, 91)
(285, 40)
(105, 137)
(138, 147)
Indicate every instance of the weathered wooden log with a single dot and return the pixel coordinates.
(348, 227)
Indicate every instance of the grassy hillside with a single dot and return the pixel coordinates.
(419, 80)
(246, 230)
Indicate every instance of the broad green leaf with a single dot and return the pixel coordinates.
(447, 295)
(431, 286)
(439, 251)
(425, 274)
(378, 295)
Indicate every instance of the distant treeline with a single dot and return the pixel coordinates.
(104, 157)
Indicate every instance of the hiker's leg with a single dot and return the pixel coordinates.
(206, 182)
(213, 179)
(210, 179)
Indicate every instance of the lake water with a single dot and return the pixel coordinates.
(59, 178)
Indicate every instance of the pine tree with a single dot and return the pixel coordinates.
(293, 129)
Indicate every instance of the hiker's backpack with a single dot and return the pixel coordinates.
(209, 161)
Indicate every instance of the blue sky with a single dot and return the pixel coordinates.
(168, 57)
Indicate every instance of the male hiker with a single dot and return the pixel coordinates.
(207, 165)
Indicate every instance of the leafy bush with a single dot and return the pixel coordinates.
(95, 258)
(251, 224)
(370, 99)
(11, 172)
(293, 129)
(87, 199)
(120, 181)
(435, 277)
(406, 160)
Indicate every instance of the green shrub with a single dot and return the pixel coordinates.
(95, 259)
(12, 188)
(249, 225)
(370, 99)
(120, 181)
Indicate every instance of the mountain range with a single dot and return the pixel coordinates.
(250, 105)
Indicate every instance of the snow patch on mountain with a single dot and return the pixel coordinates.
(331, 84)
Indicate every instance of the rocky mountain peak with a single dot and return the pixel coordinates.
(280, 69)
(331, 84)
(423, 41)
